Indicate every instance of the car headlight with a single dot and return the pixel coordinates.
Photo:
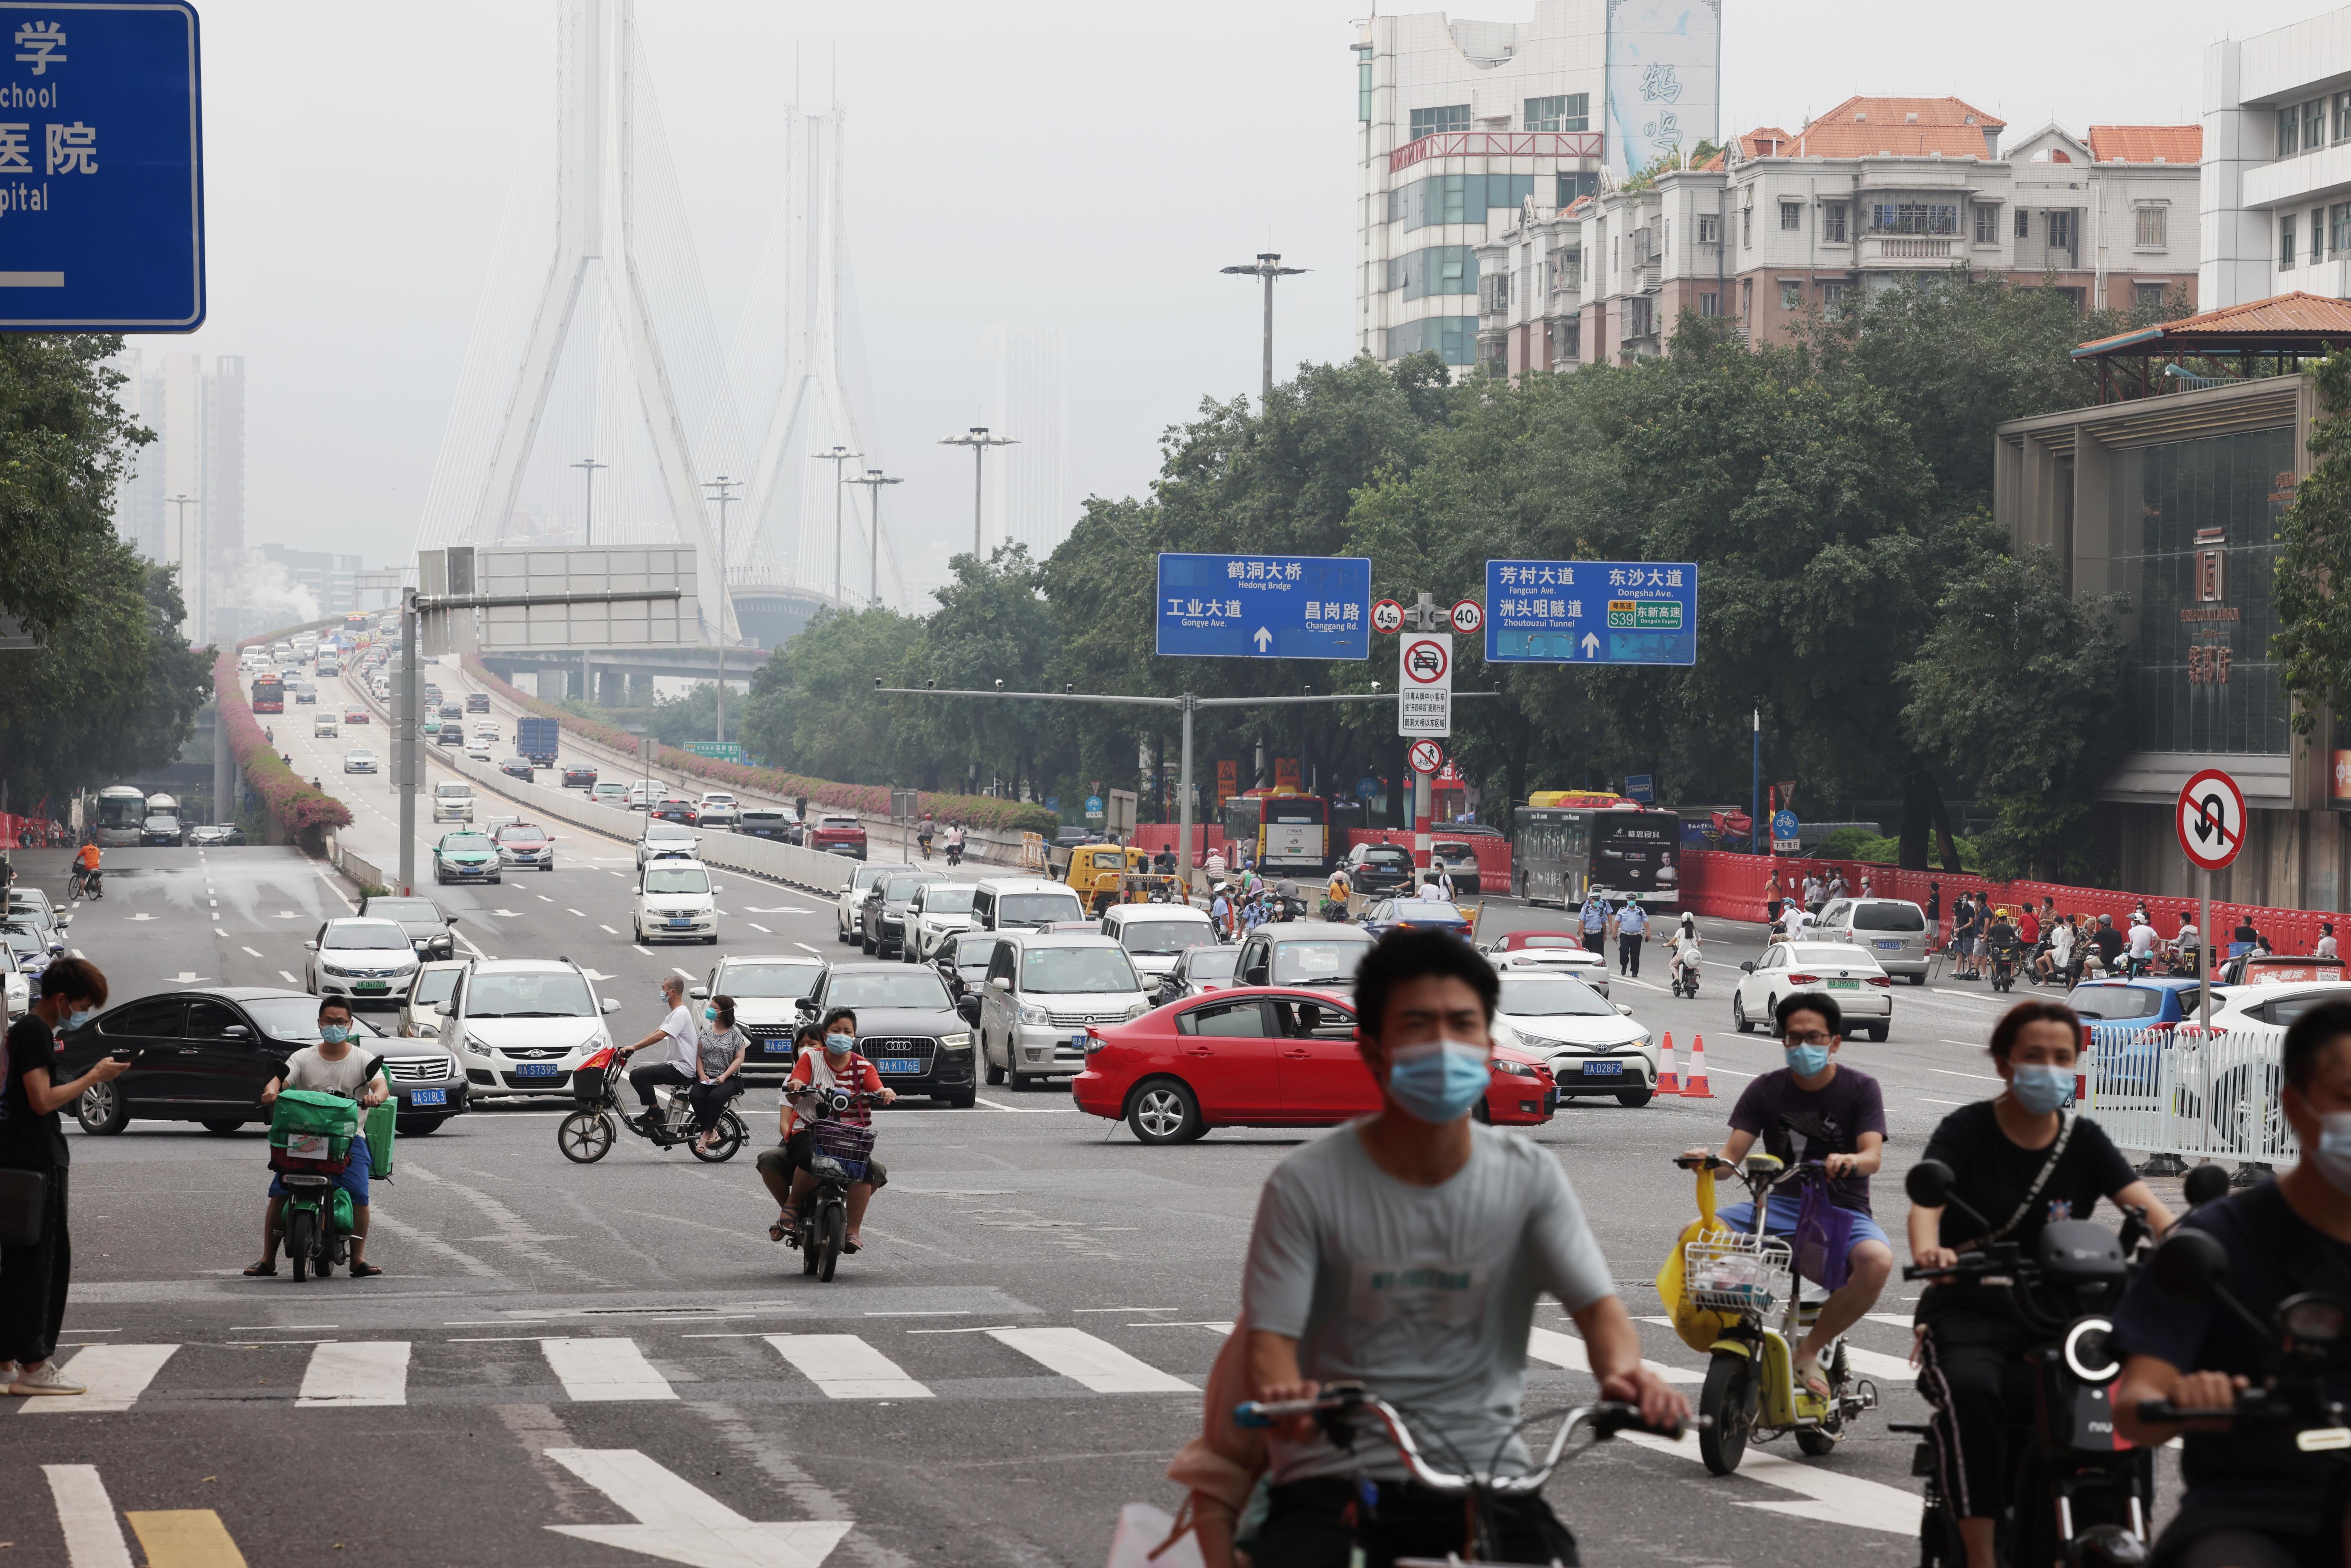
(1646, 1039)
(1138, 1009)
(1034, 1016)
(1505, 1035)
(1515, 1069)
(474, 1042)
(428, 1031)
(332, 969)
(955, 1042)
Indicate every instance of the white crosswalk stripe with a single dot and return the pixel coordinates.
(356, 1372)
(845, 1367)
(604, 1370)
(86, 1514)
(115, 1374)
(1096, 1363)
(1567, 1351)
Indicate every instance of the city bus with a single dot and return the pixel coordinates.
(1283, 834)
(121, 811)
(1567, 845)
(268, 694)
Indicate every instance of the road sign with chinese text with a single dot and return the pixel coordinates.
(1248, 606)
(1591, 612)
(2211, 819)
(1424, 683)
(725, 751)
(1642, 787)
(101, 167)
(1786, 833)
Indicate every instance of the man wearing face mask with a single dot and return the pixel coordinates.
(329, 1067)
(677, 1067)
(1406, 1251)
(784, 1168)
(2019, 1159)
(1816, 1109)
(2253, 1499)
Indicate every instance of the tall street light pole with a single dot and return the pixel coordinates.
(1269, 266)
(873, 480)
(725, 488)
(587, 526)
(180, 504)
(837, 456)
(979, 441)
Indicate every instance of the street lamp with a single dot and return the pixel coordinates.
(1269, 266)
(874, 481)
(979, 441)
(837, 456)
(181, 505)
(588, 525)
(725, 488)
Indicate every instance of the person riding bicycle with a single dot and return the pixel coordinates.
(784, 1168)
(2252, 1498)
(1816, 1109)
(1405, 1251)
(677, 1067)
(2018, 1159)
(85, 860)
(923, 831)
(329, 1067)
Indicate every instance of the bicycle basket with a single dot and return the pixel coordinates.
(1736, 1273)
(841, 1150)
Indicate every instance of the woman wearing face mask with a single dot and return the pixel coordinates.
(718, 1057)
(784, 1168)
(2016, 1159)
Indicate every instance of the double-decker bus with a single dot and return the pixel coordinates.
(1568, 845)
(1283, 832)
(268, 694)
(121, 808)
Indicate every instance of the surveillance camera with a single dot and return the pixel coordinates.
(1000, 682)
(877, 683)
(931, 685)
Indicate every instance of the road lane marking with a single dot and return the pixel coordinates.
(1566, 1349)
(1929, 1099)
(287, 979)
(1981, 1077)
(115, 1374)
(806, 948)
(356, 1372)
(1893, 1368)
(760, 928)
(1968, 996)
(607, 930)
(93, 1540)
(1026, 1110)
(680, 1523)
(253, 952)
(568, 910)
(1096, 1363)
(185, 1538)
(603, 1370)
(647, 951)
(1835, 1498)
(845, 1367)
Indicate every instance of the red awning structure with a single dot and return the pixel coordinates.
(2237, 342)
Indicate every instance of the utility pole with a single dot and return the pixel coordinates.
(588, 525)
(180, 504)
(837, 456)
(725, 488)
(874, 481)
(979, 441)
(1269, 266)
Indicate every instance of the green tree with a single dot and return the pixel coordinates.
(2314, 641)
(811, 708)
(64, 445)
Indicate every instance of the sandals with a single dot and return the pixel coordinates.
(363, 1270)
(786, 1223)
(849, 1244)
(1811, 1381)
(260, 1270)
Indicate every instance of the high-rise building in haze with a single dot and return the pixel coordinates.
(198, 419)
(1028, 484)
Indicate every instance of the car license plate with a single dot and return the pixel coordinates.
(1889, 946)
(778, 1047)
(537, 1068)
(681, 924)
(371, 988)
(1604, 1070)
(428, 1097)
(899, 1064)
(1844, 985)
(1078, 1043)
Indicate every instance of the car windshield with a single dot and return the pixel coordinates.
(667, 832)
(456, 791)
(437, 986)
(1038, 907)
(416, 909)
(1889, 917)
(1158, 938)
(1386, 855)
(676, 879)
(556, 994)
(522, 834)
(767, 980)
(1550, 942)
(1060, 971)
(1211, 963)
(2104, 1002)
(365, 934)
(294, 1017)
(836, 822)
(1317, 963)
(1551, 995)
(914, 988)
(900, 888)
(461, 843)
(23, 941)
(947, 901)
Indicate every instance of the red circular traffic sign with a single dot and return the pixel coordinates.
(1427, 757)
(1387, 615)
(1425, 662)
(2211, 819)
(1468, 616)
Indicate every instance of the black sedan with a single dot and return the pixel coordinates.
(675, 809)
(161, 831)
(216, 833)
(516, 768)
(962, 962)
(906, 1027)
(205, 1056)
(882, 918)
(579, 776)
(419, 919)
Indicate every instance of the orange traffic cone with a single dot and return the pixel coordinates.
(1695, 1088)
(1669, 1082)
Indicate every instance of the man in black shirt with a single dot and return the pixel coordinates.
(2109, 944)
(2253, 1499)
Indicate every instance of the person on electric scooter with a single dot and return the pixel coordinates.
(2142, 942)
(1815, 1108)
(1684, 946)
(2001, 940)
(2251, 1499)
(1406, 1251)
(785, 1168)
(333, 1066)
(2018, 1159)
(676, 1068)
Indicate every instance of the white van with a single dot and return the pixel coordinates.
(452, 801)
(1157, 935)
(1023, 902)
(1043, 991)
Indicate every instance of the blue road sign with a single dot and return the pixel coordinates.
(1591, 612)
(102, 169)
(1052, 802)
(1367, 788)
(1641, 786)
(1093, 805)
(1786, 832)
(1248, 606)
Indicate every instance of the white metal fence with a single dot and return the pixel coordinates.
(2190, 1093)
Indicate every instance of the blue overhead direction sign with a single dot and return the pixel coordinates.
(1641, 786)
(1591, 612)
(1245, 605)
(101, 167)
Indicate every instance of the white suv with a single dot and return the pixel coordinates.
(452, 801)
(521, 1026)
(1043, 991)
(676, 903)
(717, 805)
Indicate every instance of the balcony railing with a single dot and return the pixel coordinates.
(1497, 145)
(1908, 247)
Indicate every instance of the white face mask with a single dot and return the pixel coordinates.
(2333, 1155)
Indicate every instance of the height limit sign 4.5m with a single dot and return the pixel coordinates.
(1425, 684)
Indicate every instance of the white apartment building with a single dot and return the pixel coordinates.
(198, 457)
(1461, 123)
(2276, 199)
(1876, 192)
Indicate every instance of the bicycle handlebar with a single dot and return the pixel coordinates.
(1606, 1418)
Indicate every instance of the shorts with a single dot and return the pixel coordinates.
(1781, 1220)
(791, 1155)
(353, 1179)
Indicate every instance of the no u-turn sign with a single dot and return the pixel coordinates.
(2211, 819)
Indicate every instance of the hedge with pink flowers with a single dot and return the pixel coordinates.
(305, 815)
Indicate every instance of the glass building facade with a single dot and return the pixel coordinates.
(1454, 337)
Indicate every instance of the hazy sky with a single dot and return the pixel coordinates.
(1015, 161)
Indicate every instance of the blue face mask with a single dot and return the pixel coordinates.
(839, 1044)
(1440, 1083)
(1806, 1060)
(76, 1019)
(334, 1033)
(2041, 1088)
(710, 1013)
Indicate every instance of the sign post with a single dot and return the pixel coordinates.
(1424, 708)
(2211, 818)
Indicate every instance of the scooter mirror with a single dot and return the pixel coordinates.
(1928, 1184)
(2188, 1264)
(2206, 1183)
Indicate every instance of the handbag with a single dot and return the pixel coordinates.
(1823, 1237)
(24, 1206)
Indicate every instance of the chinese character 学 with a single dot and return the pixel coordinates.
(43, 43)
(73, 149)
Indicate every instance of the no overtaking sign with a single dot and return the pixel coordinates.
(1425, 684)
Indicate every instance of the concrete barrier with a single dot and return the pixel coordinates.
(363, 874)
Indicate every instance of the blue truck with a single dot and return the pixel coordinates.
(538, 738)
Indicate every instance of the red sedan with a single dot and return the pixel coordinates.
(1261, 1056)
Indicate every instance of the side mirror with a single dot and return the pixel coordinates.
(1928, 1184)
(967, 1008)
(236, 1031)
(1747, 967)
(999, 984)
(611, 1004)
(699, 993)
(1624, 1008)
(310, 946)
(2188, 1264)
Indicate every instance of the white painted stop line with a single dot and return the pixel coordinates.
(365, 1371)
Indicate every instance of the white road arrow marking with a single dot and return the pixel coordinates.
(1263, 638)
(1591, 645)
(134, 917)
(184, 977)
(679, 1522)
(597, 975)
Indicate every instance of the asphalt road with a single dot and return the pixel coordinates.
(601, 1365)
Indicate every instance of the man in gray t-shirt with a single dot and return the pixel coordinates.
(1406, 1251)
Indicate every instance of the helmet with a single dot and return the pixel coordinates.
(2002, 912)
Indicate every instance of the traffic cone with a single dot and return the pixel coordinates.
(1669, 1082)
(1695, 1088)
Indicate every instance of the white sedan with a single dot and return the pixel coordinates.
(1592, 1044)
(358, 759)
(477, 750)
(717, 805)
(1862, 991)
(1544, 953)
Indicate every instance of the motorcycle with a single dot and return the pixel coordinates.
(2004, 960)
(837, 1153)
(307, 1128)
(955, 854)
(1683, 971)
(587, 1134)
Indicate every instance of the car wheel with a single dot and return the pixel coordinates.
(547, 865)
(1164, 1111)
(1738, 1020)
(222, 1126)
(963, 1101)
(102, 1109)
(869, 947)
(415, 1126)
(1878, 1031)
(1917, 979)
(1634, 1098)
(995, 1073)
(711, 940)
(1482, 1111)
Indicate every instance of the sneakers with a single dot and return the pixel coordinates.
(44, 1378)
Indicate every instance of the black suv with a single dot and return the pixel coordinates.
(477, 702)
(1375, 869)
(905, 1027)
(882, 918)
